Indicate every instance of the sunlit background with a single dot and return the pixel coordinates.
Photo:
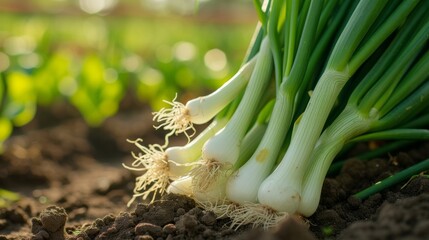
(91, 53)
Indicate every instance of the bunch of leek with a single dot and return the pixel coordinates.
(318, 76)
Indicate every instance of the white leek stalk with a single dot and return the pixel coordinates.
(364, 112)
(181, 159)
(214, 193)
(346, 126)
(282, 189)
(180, 118)
(181, 186)
(222, 150)
(243, 184)
(260, 165)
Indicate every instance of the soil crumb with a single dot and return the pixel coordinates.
(404, 219)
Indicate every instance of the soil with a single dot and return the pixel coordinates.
(73, 186)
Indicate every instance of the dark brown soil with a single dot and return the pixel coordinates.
(74, 187)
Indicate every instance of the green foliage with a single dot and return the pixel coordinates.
(20, 99)
(92, 62)
(54, 78)
(7, 197)
(18, 102)
(98, 93)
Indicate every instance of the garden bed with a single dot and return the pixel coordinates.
(58, 160)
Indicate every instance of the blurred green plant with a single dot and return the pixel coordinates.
(98, 91)
(18, 102)
(7, 197)
(92, 62)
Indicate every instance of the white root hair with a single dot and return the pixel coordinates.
(208, 171)
(154, 161)
(222, 209)
(256, 214)
(175, 120)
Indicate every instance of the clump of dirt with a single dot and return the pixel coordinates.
(50, 224)
(15, 219)
(13, 216)
(405, 219)
(338, 209)
(172, 217)
(292, 228)
(178, 217)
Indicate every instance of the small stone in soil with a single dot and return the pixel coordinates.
(292, 229)
(144, 237)
(148, 228)
(112, 230)
(169, 228)
(3, 224)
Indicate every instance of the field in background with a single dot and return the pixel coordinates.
(92, 53)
